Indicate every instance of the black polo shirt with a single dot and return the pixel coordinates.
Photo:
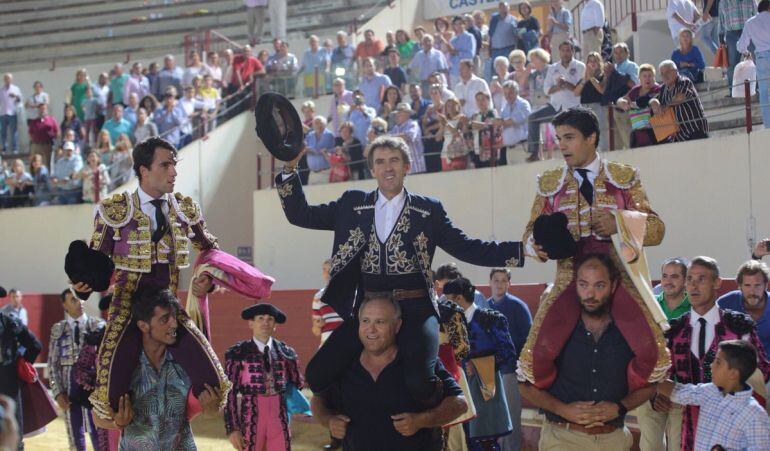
(369, 405)
(591, 371)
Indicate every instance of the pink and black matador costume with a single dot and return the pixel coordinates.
(617, 188)
(123, 232)
(256, 404)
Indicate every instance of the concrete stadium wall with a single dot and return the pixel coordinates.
(700, 189)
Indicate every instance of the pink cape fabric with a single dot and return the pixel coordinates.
(228, 272)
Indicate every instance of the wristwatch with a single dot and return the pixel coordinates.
(621, 409)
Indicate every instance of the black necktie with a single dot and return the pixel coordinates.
(586, 189)
(77, 333)
(160, 220)
(702, 338)
(266, 358)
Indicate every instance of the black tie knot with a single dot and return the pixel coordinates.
(586, 189)
(161, 224)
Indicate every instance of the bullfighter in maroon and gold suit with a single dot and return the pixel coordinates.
(607, 211)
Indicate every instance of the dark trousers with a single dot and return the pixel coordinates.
(418, 347)
(539, 116)
(433, 155)
(76, 419)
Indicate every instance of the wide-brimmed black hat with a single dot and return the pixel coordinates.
(551, 232)
(279, 126)
(264, 309)
(87, 265)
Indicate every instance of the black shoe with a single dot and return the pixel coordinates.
(334, 444)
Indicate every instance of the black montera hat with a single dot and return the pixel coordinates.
(279, 126)
(83, 264)
(551, 232)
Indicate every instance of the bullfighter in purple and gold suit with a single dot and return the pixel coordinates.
(147, 234)
(261, 371)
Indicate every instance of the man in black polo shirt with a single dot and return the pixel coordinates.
(585, 407)
(370, 407)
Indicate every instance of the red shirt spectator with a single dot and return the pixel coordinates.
(245, 67)
(44, 129)
(371, 47)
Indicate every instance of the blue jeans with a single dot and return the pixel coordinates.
(8, 121)
(709, 34)
(733, 55)
(763, 73)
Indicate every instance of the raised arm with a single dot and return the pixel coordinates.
(296, 208)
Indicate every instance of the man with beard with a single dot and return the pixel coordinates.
(660, 421)
(585, 407)
(751, 297)
(155, 413)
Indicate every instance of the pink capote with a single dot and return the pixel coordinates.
(228, 272)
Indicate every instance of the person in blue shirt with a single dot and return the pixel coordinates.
(461, 46)
(688, 57)
(519, 322)
(751, 297)
(319, 143)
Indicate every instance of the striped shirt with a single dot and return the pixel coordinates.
(689, 114)
(733, 420)
(331, 320)
(733, 14)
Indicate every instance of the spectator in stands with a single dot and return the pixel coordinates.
(20, 185)
(733, 15)
(513, 119)
(342, 59)
(192, 108)
(120, 164)
(361, 116)
(454, 151)
(101, 91)
(468, 86)
(319, 142)
(539, 62)
(227, 68)
(78, 91)
(255, 19)
(480, 21)
(637, 102)
(438, 78)
(501, 75)
(461, 46)
(708, 32)
(503, 35)
(681, 14)
(680, 94)
(71, 122)
(277, 11)
(431, 128)
(144, 127)
(129, 112)
(169, 119)
(471, 28)
(150, 104)
(64, 181)
(426, 62)
(751, 297)
(395, 71)
(418, 103)
(117, 85)
(419, 33)
(152, 75)
(527, 28)
(372, 83)
(136, 83)
(408, 129)
(35, 99)
(308, 114)
(117, 124)
(10, 99)
(443, 35)
(209, 95)
(688, 57)
(590, 90)
(755, 32)
(559, 85)
(559, 22)
(41, 185)
(95, 179)
(213, 68)
(406, 47)
(591, 27)
(342, 99)
(90, 107)
(43, 132)
(170, 75)
(371, 47)
(103, 145)
(390, 100)
(486, 132)
(313, 68)
(623, 64)
(284, 67)
(348, 142)
(518, 60)
(616, 85)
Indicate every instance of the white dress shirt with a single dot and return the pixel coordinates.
(564, 99)
(469, 313)
(261, 346)
(467, 91)
(592, 15)
(149, 209)
(8, 104)
(81, 321)
(386, 213)
(756, 30)
(686, 10)
(712, 318)
(593, 170)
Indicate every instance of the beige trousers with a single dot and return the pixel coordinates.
(255, 22)
(622, 132)
(555, 438)
(318, 178)
(592, 42)
(660, 431)
(43, 149)
(455, 440)
(557, 38)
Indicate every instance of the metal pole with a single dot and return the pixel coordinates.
(747, 103)
(611, 123)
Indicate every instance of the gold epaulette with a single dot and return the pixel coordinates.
(551, 181)
(621, 175)
(116, 211)
(187, 209)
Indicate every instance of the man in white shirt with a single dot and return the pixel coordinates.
(591, 27)
(681, 14)
(559, 84)
(757, 32)
(10, 99)
(468, 86)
